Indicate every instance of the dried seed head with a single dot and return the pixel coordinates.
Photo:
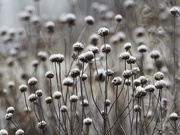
(174, 10)
(3, 132)
(124, 55)
(127, 46)
(49, 74)
(78, 47)
(3, 30)
(68, 82)
(129, 4)
(23, 88)
(107, 102)
(35, 63)
(139, 32)
(100, 75)
(25, 16)
(109, 72)
(142, 49)
(48, 100)
(30, 9)
(160, 84)
(35, 20)
(106, 48)
(131, 60)
(155, 54)
(84, 77)
(102, 113)
(118, 18)
(164, 102)
(85, 103)
(127, 82)
(121, 36)
(109, 15)
(63, 108)
(8, 116)
(135, 70)
(11, 84)
(32, 97)
(88, 56)
(41, 124)
(150, 88)
(158, 76)
(56, 58)
(19, 132)
(42, 55)
(50, 26)
(137, 82)
(92, 48)
(73, 98)
(114, 40)
(127, 73)
(140, 92)
(87, 121)
(57, 95)
(173, 116)
(117, 81)
(82, 58)
(89, 20)
(32, 81)
(93, 39)
(137, 108)
(103, 31)
(70, 19)
(10, 110)
(39, 93)
(143, 80)
(74, 73)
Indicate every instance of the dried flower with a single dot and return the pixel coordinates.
(88, 56)
(84, 77)
(56, 58)
(10, 110)
(35, 63)
(32, 97)
(155, 54)
(109, 72)
(143, 80)
(117, 81)
(139, 32)
(19, 132)
(49, 74)
(89, 20)
(63, 108)
(71, 19)
(127, 82)
(8, 116)
(41, 124)
(106, 48)
(73, 98)
(173, 116)
(131, 60)
(135, 70)
(23, 88)
(42, 55)
(160, 84)
(100, 75)
(150, 88)
(107, 102)
(93, 39)
(137, 108)
(124, 55)
(85, 103)
(118, 18)
(68, 82)
(174, 10)
(142, 48)
(103, 31)
(158, 76)
(127, 46)
(140, 92)
(32, 81)
(50, 26)
(74, 73)
(127, 73)
(39, 93)
(87, 121)
(137, 82)
(57, 95)
(3, 132)
(48, 100)
(78, 47)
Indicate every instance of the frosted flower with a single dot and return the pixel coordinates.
(139, 32)
(35, 63)
(48, 100)
(74, 73)
(127, 82)
(32, 97)
(50, 26)
(41, 124)
(140, 92)
(137, 108)
(117, 81)
(106, 48)
(57, 95)
(160, 84)
(129, 3)
(174, 10)
(56, 58)
(67, 81)
(89, 20)
(143, 79)
(35, 20)
(93, 39)
(42, 55)
(85, 103)
(8, 116)
(87, 121)
(19, 132)
(23, 88)
(127, 73)
(118, 18)
(173, 116)
(11, 84)
(73, 98)
(103, 31)
(155, 54)
(142, 48)
(71, 19)
(92, 48)
(124, 55)
(49, 74)
(88, 56)
(25, 16)
(32, 81)
(84, 77)
(109, 72)
(78, 47)
(39, 93)
(107, 102)
(158, 76)
(63, 108)
(10, 109)
(100, 76)
(127, 46)
(135, 70)
(137, 82)
(150, 88)
(131, 60)
(3, 132)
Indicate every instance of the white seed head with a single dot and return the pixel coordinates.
(35, 20)
(150, 88)
(88, 56)
(103, 31)
(139, 32)
(48, 100)
(109, 72)
(118, 18)
(39, 93)
(137, 108)
(107, 102)
(70, 19)
(127, 82)
(8, 116)
(142, 48)
(174, 10)
(89, 20)
(19, 132)
(67, 82)
(131, 60)
(32, 97)
(10, 110)
(160, 84)
(57, 95)
(87, 121)
(84, 77)
(99, 75)
(135, 70)
(93, 39)
(140, 92)
(78, 47)
(143, 79)
(173, 116)
(158, 76)
(155, 54)
(3, 132)
(23, 88)
(137, 82)
(127, 73)
(25, 16)
(56, 58)
(63, 108)
(32, 81)
(74, 72)
(49, 74)
(42, 55)
(106, 48)
(127, 46)
(35, 63)
(11, 84)
(124, 55)
(85, 103)
(117, 80)
(50, 26)
(92, 48)
(41, 124)
(73, 98)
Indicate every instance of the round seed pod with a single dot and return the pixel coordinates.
(87, 121)
(3, 132)
(68, 82)
(78, 47)
(150, 88)
(137, 108)
(158, 76)
(143, 79)
(103, 31)
(88, 56)
(102, 113)
(155, 54)
(174, 10)
(70, 19)
(160, 84)
(63, 108)
(85, 103)
(50, 26)
(137, 82)
(32, 81)
(106, 48)
(19, 132)
(32, 97)
(127, 73)
(35, 63)
(127, 82)
(41, 124)
(73, 98)
(56, 58)
(135, 70)
(124, 56)
(117, 81)
(89, 20)
(57, 95)
(10, 110)
(39, 93)
(84, 77)
(100, 75)
(173, 116)
(142, 49)
(8, 116)
(109, 72)
(48, 100)
(93, 39)
(75, 72)
(127, 46)
(23, 88)
(49, 74)
(131, 60)
(118, 18)
(107, 102)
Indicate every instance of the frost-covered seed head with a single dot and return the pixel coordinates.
(93, 48)
(93, 39)
(103, 31)
(32, 81)
(109, 72)
(106, 48)
(41, 124)
(117, 80)
(30, 9)
(3, 30)
(35, 63)
(174, 10)
(32, 97)
(84, 77)
(3, 132)
(107, 102)
(142, 49)
(39, 93)
(25, 16)
(135, 70)
(23, 88)
(48, 100)
(74, 72)
(155, 54)
(71, 19)
(78, 47)
(150, 88)
(127, 82)
(89, 20)
(35, 20)
(160, 84)
(87, 121)
(88, 56)
(50, 26)
(85, 103)
(56, 58)
(127, 46)
(131, 60)
(49, 74)
(10, 110)
(118, 18)
(137, 82)
(137, 108)
(42, 55)
(11, 84)
(19, 132)
(63, 108)
(127, 73)
(124, 55)
(139, 32)
(140, 92)
(102, 113)
(73, 98)
(143, 79)
(57, 95)
(100, 75)
(82, 58)
(158, 76)
(68, 82)
(173, 116)
(8, 116)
